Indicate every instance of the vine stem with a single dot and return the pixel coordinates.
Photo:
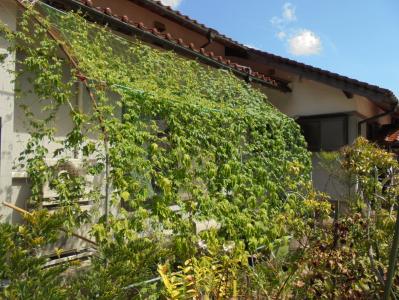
(54, 35)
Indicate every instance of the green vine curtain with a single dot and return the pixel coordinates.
(175, 143)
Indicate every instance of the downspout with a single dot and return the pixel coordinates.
(386, 113)
(210, 35)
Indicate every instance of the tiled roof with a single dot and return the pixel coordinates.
(392, 137)
(179, 41)
(388, 134)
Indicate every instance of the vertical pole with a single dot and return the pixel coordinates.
(107, 181)
(79, 106)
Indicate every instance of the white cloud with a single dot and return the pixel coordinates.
(281, 35)
(172, 3)
(304, 42)
(281, 22)
(299, 42)
(276, 22)
(289, 12)
(288, 15)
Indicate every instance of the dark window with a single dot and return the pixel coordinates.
(312, 132)
(325, 133)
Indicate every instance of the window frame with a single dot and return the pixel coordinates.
(320, 118)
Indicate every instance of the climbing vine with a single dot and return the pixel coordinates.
(169, 145)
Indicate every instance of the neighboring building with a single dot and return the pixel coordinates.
(332, 109)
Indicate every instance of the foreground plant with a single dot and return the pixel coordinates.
(350, 258)
(325, 255)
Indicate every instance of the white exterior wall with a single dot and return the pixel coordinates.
(8, 13)
(14, 184)
(311, 98)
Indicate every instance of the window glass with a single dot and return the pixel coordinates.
(311, 132)
(333, 134)
(326, 133)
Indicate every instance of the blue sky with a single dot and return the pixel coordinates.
(355, 38)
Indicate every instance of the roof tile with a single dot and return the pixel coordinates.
(88, 3)
(392, 137)
(142, 26)
(108, 11)
(125, 19)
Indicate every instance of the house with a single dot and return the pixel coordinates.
(332, 109)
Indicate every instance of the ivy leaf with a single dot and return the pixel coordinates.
(125, 195)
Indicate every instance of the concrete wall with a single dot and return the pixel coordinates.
(8, 12)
